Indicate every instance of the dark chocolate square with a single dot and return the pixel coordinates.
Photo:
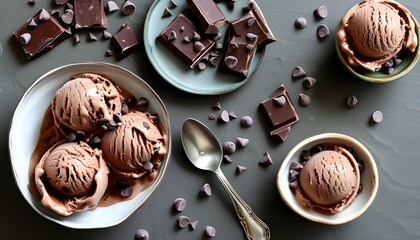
(44, 36)
(89, 14)
(124, 41)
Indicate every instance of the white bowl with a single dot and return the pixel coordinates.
(26, 125)
(369, 180)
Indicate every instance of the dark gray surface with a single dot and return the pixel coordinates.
(394, 143)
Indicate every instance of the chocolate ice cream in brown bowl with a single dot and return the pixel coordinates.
(377, 40)
(68, 132)
(329, 178)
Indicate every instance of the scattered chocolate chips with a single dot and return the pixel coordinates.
(106, 35)
(229, 147)
(92, 37)
(240, 169)
(193, 225)
(172, 4)
(216, 106)
(294, 184)
(67, 17)
(180, 204)
(251, 36)
(198, 46)
(32, 23)
(301, 23)
(61, 2)
(31, 2)
(251, 22)
(141, 234)
(43, 16)
(227, 159)
(298, 72)
(210, 231)
(280, 101)
(293, 175)
(305, 155)
(126, 191)
(232, 115)
(322, 31)
(231, 61)
(212, 116)
(206, 190)
(172, 36)
(95, 141)
(308, 82)
(111, 7)
(232, 47)
(224, 117)
(377, 117)
(246, 121)
(304, 100)
(142, 103)
(25, 38)
(266, 160)
(128, 7)
(183, 221)
(71, 137)
(148, 166)
(351, 101)
(217, 36)
(201, 65)
(242, 142)
(55, 12)
(321, 12)
(196, 36)
(76, 38)
(166, 13)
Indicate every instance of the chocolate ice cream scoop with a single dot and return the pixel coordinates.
(133, 144)
(71, 177)
(374, 31)
(83, 101)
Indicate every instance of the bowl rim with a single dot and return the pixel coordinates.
(329, 135)
(11, 149)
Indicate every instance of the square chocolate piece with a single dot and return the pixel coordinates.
(181, 37)
(89, 14)
(124, 41)
(209, 15)
(40, 34)
(280, 112)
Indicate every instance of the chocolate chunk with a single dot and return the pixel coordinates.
(240, 169)
(266, 160)
(141, 234)
(124, 41)
(172, 4)
(208, 14)
(229, 147)
(300, 23)
(143, 104)
(180, 204)
(111, 6)
(296, 166)
(280, 101)
(294, 184)
(126, 191)
(305, 155)
(224, 117)
(352, 101)
(67, 16)
(298, 72)
(227, 159)
(321, 12)
(242, 142)
(89, 14)
(183, 221)
(44, 37)
(201, 65)
(193, 225)
(128, 7)
(308, 82)
(377, 117)
(198, 46)
(106, 35)
(210, 231)
(206, 190)
(304, 100)
(92, 37)
(185, 51)
(166, 13)
(389, 63)
(25, 38)
(322, 31)
(216, 106)
(293, 175)
(246, 121)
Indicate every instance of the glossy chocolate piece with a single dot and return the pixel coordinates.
(209, 15)
(89, 14)
(281, 117)
(259, 27)
(44, 34)
(179, 38)
(124, 41)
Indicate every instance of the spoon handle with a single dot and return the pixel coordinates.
(254, 227)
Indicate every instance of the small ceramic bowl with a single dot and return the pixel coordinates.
(369, 180)
(23, 137)
(409, 60)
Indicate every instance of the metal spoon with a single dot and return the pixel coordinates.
(204, 151)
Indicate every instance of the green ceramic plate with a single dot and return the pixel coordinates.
(175, 71)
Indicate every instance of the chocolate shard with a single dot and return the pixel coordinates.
(96, 17)
(124, 41)
(209, 15)
(166, 13)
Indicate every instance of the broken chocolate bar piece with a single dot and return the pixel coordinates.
(174, 38)
(281, 117)
(124, 41)
(254, 22)
(45, 34)
(209, 15)
(89, 14)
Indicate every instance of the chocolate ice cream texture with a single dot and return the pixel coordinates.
(374, 31)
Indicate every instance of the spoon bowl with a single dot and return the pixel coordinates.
(204, 151)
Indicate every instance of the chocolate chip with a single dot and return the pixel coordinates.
(111, 6)
(143, 104)
(316, 149)
(280, 101)
(377, 117)
(322, 31)
(242, 142)
(249, 47)
(266, 160)
(198, 46)
(298, 71)
(31, 2)
(193, 225)
(106, 34)
(210, 231)
(396, 61)
(180, 204)
(213, 61)
(186, 39)
(232, 47)
(251, 22)
(389, 63)
(352, 101)
(305, 155)
(246, 121)
(240, 169)
(223, 117)
(166, 13)
(71, 137)
(294, 184)
(112, 125)
(296, 166)
(43, 16)
(183, 221)
(126, 191)
(217, 36)
(76, 38)
(196, 36)
(231, 61)
(61, 2)
(300, 23)
(148, 166)
(172, 36)
(80, 135)
(232, 115)
(321, 12)
(216, 106)
(92, 37)
(227, 159)
(128, 7)
(67, 17)
(389, 70)
(205, 190)
(32, 23)
(212, 116)
(304, 100)
(182, 28)
(218, 46)
(141, 234)
(172, 4)
(55, 12)
(117, 118)
(25, 38)
(308, 82)
(69, 5)
(201, 65)
(293, 175)
(361, 166)
(251, 36)
(229, 147)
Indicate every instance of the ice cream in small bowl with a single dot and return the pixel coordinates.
(329, 178)
(377, 40)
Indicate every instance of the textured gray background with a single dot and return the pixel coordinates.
(395, 213)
